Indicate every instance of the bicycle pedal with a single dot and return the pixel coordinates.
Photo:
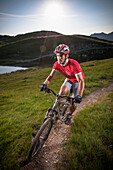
(68, 122)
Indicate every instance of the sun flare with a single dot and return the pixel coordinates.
(54, 9)
(54, 15)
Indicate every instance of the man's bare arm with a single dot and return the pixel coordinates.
(50, 77)
(81, 83)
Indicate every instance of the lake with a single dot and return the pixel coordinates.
(9, 69)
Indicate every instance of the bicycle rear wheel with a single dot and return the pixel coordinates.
(40, 139)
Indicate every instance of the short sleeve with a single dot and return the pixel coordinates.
(76, 67)
(55, 67)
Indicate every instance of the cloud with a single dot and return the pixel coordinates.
(33, 16)
(18, 16)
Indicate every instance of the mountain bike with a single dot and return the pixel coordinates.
(57, 112)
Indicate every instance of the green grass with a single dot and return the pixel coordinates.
(97, 73)
(91, 143)
(23, 106)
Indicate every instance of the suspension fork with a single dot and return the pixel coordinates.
(55, 104)
(53, 108)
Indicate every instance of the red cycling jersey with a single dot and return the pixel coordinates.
(70, 70)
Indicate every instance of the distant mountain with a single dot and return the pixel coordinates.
(103, 35)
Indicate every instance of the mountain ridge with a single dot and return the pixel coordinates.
(36, 48)
(29, 34)
(103, 35)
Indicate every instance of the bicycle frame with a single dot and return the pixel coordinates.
(56, 112)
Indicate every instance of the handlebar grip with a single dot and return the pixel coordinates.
(43, 86)
(41, 89)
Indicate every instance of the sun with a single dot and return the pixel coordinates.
(54, 12)
(54, 9)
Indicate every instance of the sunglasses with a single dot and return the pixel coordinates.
(60, 55)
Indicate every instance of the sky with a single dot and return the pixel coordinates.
(68, 17)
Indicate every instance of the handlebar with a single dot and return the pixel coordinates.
(48, 90)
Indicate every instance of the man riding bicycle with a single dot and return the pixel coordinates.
(74, 76)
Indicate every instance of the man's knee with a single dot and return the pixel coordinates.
(63, 90)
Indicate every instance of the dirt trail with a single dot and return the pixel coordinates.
(49, 154)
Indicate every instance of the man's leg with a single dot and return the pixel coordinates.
(75, 92)
(63, 90)
(73, 108)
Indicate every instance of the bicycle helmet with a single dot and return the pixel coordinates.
(62, 48)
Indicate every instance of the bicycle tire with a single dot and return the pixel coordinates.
(39, 139)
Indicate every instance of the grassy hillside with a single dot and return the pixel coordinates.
(91, 143)
(23, 106)
(34, 45)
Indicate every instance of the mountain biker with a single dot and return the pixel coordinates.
(74, 76)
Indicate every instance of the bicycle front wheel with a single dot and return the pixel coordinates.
(40, 139)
